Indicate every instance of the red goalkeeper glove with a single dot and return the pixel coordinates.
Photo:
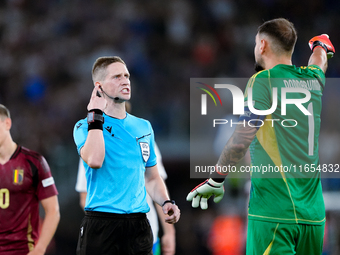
(323, 42)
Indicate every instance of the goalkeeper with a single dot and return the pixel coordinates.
(286, 211)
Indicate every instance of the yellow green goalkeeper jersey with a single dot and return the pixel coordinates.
(286, 186)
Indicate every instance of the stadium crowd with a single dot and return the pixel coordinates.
(47, 48)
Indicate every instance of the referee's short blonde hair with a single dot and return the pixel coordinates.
(100, 65)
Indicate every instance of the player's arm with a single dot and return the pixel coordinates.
(168, 239)
(49, 226)
(82, 199)
(319, 58)
(322, 49)
(156, 188)
(81, 184)
(237, 146)
(233, 152)
(93, 151)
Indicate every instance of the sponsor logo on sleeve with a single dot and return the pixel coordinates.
(47, 182)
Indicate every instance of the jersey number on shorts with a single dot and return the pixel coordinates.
(4, 198)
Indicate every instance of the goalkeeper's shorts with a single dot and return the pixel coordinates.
(272, 238)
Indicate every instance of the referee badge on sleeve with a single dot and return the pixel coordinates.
(145, 148)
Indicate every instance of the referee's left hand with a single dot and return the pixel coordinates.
(173, 213)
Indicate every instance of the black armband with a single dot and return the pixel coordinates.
(219, 174)
(95, 119)
(218, 180)
(321, 44)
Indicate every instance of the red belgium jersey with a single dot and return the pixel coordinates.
(24, 180)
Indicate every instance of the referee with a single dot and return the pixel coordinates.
(120, 165)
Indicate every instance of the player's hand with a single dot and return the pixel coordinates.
(172, 211)
(323, 42)
(201, 193)
(97, 102)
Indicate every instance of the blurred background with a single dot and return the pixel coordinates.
(47, 48)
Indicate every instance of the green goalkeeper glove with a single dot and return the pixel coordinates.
(323, 42)
(201, 193)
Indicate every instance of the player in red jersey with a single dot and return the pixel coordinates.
(25, 180)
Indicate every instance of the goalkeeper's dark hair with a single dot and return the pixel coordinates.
(4, 112)
(100, 65)
(283, 34)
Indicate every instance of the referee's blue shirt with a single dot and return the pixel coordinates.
(119, 185)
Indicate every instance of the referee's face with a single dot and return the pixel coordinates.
(117, 81)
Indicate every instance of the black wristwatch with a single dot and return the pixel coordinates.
(169, 201)
(92, 117)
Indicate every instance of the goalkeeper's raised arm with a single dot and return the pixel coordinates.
(323, 49)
